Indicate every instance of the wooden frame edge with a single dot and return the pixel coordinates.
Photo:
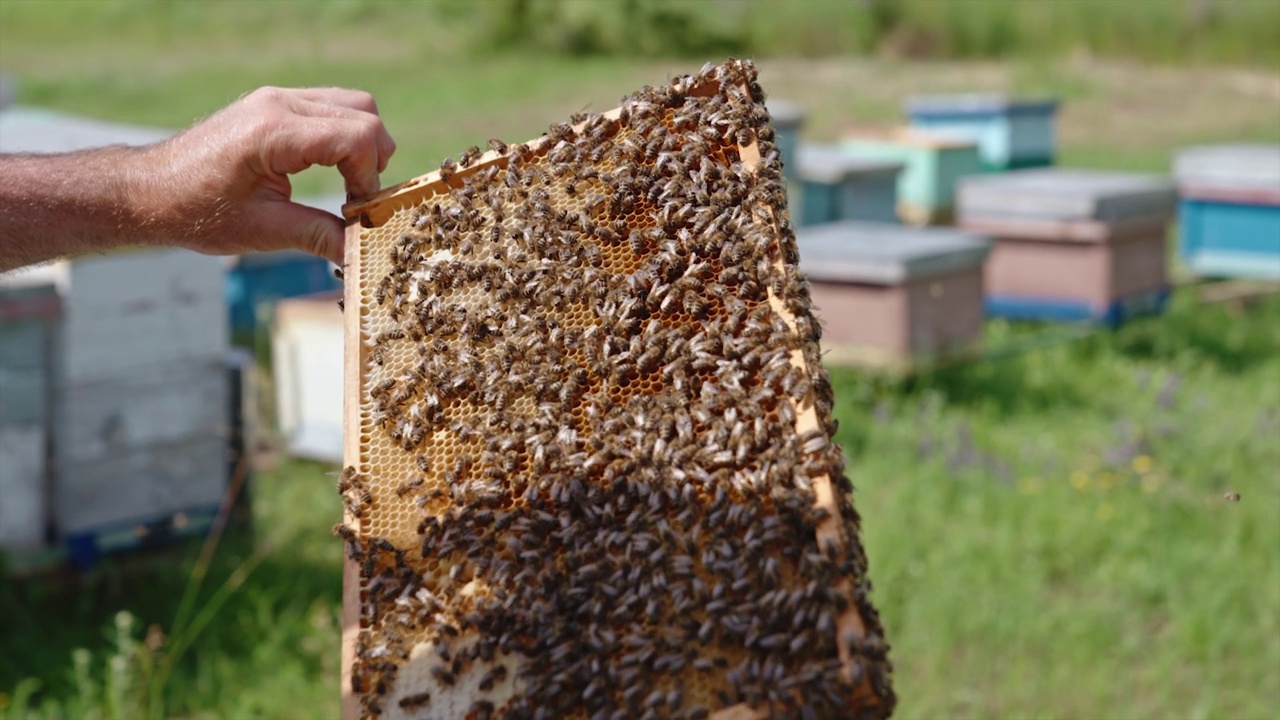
(352, 370)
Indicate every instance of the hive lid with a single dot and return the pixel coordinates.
(785, 113)
(976, 104)
(1244, 167)
(830, 164)
(1066, 194)
(35, 130)
(885, 253)
(855, 138)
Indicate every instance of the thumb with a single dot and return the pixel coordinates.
(305, 228)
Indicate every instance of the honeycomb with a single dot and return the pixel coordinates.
(590, 461)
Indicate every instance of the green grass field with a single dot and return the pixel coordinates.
(1048, 533)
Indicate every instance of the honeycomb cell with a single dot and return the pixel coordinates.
(566, 476)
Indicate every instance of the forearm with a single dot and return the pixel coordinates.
(53, 206)
(221, 187)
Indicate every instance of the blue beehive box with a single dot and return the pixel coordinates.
(255, 282)
(836, 186)
(1229, 210)
(788, 119)
(1010, 133)
(1071, 244)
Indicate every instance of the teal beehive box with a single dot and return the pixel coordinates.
(1011, 133)
(1229, 210)
(932, 165)
(835, 186)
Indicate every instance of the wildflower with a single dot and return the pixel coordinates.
(1143, 464)
(1080, 480)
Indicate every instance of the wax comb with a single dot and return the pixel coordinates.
(589, 439)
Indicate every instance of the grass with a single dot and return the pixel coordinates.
(1048, 533)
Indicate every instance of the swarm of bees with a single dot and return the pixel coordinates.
(595, 474)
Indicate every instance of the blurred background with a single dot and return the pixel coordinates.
(1081, 519)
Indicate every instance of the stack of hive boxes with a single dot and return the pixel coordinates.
(1011, 133)
(141, 417)
(893, 296)
(306, 352)
(28, 331)
(1071, 244)
(1229, 213)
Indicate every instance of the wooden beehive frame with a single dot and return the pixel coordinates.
(374, 211)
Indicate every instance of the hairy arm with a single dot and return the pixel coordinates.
(220, 187)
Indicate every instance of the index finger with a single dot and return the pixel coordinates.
(344, 97)
(349, 144)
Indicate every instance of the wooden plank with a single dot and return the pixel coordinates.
(353, 365)
(1241, 291)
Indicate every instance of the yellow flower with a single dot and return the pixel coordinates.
(1080, 480)
(1143, 464)
(1106, 480)
(1150, 483)
(1106, 511)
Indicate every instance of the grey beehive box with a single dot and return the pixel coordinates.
(889, 294)
(1242, 167)
(838, 186)
(1066, 194)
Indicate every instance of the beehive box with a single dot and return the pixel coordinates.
(590, 467)
(891, 296)
(839, 187)
(1072, 244)
(140, 422)
(306, 350)
(1010, 133)
(1229, 210)
(932, 166)
(28, 328)
(788, 121)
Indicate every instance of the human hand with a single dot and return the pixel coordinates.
(222, 186)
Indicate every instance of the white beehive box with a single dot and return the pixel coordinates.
(22, 501)
(143, 388)
(28, 327)
(307, 351)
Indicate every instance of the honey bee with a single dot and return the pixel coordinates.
(498, 146)
(469, 157)
(410, 702)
